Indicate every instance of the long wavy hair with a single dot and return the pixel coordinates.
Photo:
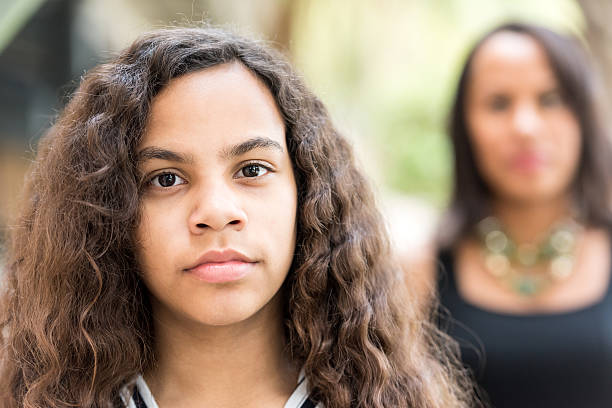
(581, 88)
(75, 316)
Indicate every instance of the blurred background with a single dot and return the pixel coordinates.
(386, 69)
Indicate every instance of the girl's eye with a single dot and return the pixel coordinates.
(166, 180)
(252, 170)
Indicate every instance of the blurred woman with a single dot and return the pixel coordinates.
(195, 233)
(524, 262)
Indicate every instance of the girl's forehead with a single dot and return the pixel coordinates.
(224, 100)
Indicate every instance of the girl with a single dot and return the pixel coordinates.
(195, 233)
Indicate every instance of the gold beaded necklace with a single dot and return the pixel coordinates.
(516, 265)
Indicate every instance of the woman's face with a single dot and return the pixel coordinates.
(218, 226)
(525, 138)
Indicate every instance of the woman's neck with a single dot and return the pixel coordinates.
(240, 365)
(529, 222)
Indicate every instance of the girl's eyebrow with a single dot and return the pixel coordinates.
(248, 145)
(230, 152)
(153, 152)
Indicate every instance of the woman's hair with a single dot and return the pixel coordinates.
(582, 92)
(75, 315)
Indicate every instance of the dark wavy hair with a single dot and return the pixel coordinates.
(582, 90)
(75, 316)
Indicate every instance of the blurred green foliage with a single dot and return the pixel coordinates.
(388, 70)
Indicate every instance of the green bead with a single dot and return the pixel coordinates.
(526, 287)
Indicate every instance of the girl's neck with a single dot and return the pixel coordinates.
(239, 365)
(529, 222)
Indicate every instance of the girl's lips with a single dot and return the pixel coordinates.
(222, 272)
(220, 256)
(221, 266)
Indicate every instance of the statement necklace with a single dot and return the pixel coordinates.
(520, 266)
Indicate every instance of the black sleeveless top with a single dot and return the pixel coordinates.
(539, 360)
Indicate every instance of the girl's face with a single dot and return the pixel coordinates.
(218, 226)
(526, 140)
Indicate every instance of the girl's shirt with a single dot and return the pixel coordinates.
(142, 397)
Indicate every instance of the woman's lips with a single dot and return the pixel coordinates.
(528, 162)
(222, 272)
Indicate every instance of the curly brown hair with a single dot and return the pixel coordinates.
(75, 315)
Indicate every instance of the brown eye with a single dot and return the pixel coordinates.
(166, 180)
(553, 98)
(252, 170)
(499, 103)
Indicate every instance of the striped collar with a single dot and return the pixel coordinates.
(142, 397)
